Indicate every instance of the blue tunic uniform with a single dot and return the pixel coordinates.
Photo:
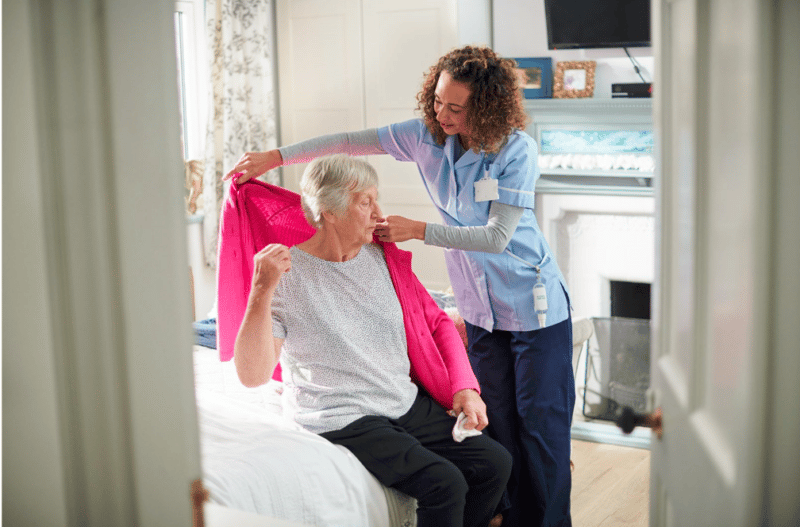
(493, 291)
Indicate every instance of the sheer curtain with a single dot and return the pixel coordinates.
(242, 116)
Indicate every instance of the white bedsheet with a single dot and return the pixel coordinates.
(255, 460)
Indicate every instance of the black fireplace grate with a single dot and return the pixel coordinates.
(617, 367)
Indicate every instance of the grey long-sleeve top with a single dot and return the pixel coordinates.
(492, 237)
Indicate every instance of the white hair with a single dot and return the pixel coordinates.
(329, 183)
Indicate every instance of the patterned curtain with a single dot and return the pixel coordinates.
(242, 115)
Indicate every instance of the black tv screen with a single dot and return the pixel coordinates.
(597, 23)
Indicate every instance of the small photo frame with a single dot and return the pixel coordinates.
(574, 79)
(536, 77)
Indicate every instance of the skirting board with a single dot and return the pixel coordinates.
(600, 432)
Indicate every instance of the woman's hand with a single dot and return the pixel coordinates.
(269, 264)
(253, 164)
(399, 229)
(470, 402)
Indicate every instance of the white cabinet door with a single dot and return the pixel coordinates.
(320, 68)
(712, 333)
(356, 64)
(402, 41)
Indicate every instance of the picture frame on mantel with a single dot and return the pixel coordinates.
(574, 79)
(536, 77)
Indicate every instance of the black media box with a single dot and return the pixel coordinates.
(637, 89)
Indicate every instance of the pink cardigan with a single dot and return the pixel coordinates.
(256, 214)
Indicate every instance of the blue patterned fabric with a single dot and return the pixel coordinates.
(205, 333)
(443, 300)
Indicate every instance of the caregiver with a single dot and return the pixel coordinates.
(480, 169)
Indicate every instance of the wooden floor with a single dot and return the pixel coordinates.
(610, 485)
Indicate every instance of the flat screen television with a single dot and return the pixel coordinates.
(578, 24)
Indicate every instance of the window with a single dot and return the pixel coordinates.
(190, 50)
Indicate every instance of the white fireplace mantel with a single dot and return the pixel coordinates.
(597, 238)
(580, 111)
(600, 223)
(622, 163)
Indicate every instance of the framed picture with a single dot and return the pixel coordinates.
(574, 79)
(536, 77)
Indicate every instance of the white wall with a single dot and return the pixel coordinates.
(519, 31)
(204, 278)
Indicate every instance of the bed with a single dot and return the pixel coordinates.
(257, 461)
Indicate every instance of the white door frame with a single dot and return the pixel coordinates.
(100, 423)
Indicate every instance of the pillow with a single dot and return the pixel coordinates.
(443, 299)
(447, 303)
(452, 312)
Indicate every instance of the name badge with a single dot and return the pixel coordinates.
(486, 189)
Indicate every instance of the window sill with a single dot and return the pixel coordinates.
(194, 218)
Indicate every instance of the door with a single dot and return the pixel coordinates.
(402, 40)
(320, 72)
(711, 347)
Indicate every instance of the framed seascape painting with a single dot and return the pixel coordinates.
(536, 77)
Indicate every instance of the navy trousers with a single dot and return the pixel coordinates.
(528, 386)
(455, 484)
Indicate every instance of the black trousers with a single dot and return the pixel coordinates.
(527, 383)
(455, 484)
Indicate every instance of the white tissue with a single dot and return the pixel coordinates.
(459, 432)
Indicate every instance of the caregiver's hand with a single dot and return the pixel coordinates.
(253, 164)
(399, 229)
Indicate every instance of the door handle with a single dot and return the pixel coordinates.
(627, 419)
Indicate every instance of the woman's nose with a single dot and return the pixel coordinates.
(376, 211)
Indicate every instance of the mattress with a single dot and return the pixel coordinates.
(256, 460)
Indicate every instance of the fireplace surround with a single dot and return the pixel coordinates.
(598, 218)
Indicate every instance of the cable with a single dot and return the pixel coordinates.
(635, 65)
(591, 371)
(578, 362)
(591, 368)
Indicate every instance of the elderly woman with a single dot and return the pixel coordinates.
(353, 329)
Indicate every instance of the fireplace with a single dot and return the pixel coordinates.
(595, 204)
(605, 247)
(629, 299)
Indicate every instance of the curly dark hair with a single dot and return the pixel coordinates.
(495, 106)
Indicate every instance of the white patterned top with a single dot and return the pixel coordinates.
(345, 353)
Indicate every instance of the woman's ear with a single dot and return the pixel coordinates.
(328, 217)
